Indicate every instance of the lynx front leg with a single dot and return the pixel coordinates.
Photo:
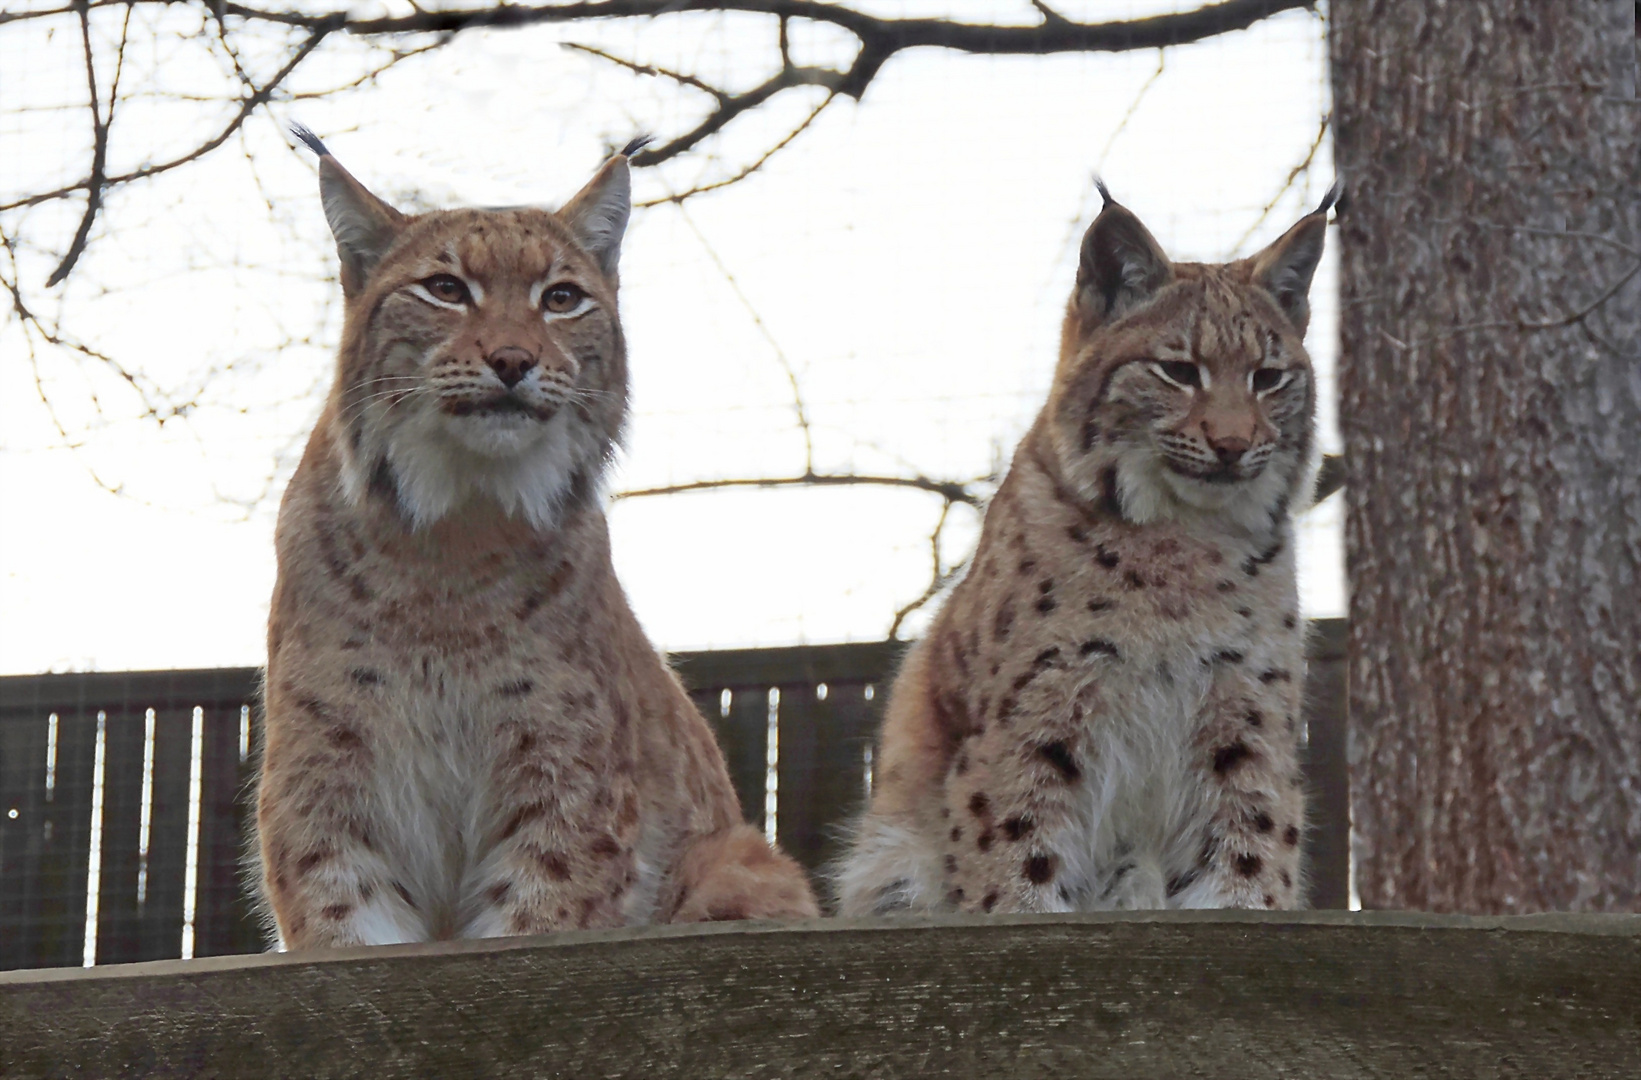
(735, 874)
(1012, 824)
(1247, 764)
(322, 876)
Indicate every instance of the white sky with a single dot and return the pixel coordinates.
(909, 257)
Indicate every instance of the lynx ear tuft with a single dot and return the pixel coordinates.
(598, 214)
(1286, 267)
(363, 225)
(1121, 264)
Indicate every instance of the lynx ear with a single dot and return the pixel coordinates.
(1286, 267)
(1121, 264)
(598, 213)
(364, 226)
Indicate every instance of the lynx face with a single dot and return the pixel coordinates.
(482, 356)
(1185, 387)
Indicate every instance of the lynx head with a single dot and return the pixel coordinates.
(1184, 388)
(482, 355)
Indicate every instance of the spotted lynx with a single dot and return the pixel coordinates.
(1104, 715)
(467, 733)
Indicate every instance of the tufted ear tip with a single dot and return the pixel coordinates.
(309, 139)
(1286, 267)
(598, 213)
(1120, 265)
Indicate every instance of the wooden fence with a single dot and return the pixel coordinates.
(124, 797)
(1237, 995)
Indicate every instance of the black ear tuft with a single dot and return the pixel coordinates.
(310, 140)
(1120, 266)
(1105, 193)
(1336, 199)
(636, 144)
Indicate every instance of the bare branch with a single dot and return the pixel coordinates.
(1301, 169)
(938, 579)
(750, 169)
(951, 490)
(645, 69)
(248, 105)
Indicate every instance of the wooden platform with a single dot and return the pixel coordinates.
(1320, 995)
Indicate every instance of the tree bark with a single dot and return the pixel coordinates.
(1491, 384)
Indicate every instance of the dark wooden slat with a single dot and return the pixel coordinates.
(160, 921)
(743, 736)
(22, 789)
(1230, 995)
(822, 767)
(117, 917)
(220, 843)
(809, 664)
(1327, 783)
(248, 934)
(126, 690)
(66, 843)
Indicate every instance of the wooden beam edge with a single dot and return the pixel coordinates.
(1274, 924)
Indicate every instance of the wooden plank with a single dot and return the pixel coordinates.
(220, 896)
(822, 767)
(23, 794)
(249, 933)
(66, 843)
(743, 736)
(117, 914)
(1231, 995)
(811, 664)
(112, 690)
(1327, 777)
(160, 920)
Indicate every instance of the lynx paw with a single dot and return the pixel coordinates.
(735, 874)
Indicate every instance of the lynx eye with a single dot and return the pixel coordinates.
(1181, 373)
(562, 298)
(1267, 379)
(448, 288)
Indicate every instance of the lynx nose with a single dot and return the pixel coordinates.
(511, 364)
(1229, 448)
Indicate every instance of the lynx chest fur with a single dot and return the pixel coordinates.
(467, 733)
(1105, 714)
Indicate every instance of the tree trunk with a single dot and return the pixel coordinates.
(1491, 389)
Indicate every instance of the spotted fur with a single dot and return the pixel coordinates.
(1105, 714)
(468, 734)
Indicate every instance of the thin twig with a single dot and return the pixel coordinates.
(950, 490)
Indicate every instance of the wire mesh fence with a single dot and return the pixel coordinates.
(125, 798)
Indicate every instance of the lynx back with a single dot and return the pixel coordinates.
(1105, 712)
(467, 733)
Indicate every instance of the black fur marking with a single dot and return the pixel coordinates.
(1106, 558)
(1097, 606)
(1111, 493)
(1059, 755)
(516, 689)
(1229, 757)
(1275, 675)
(1252, 563)
(310, 140)
(1180, 882)
(366, 677)
(1098, 647)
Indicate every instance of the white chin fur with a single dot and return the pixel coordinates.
(526, 466)
(1153, 492)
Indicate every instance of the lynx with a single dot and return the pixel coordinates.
(468, 734)
(1104, 714)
